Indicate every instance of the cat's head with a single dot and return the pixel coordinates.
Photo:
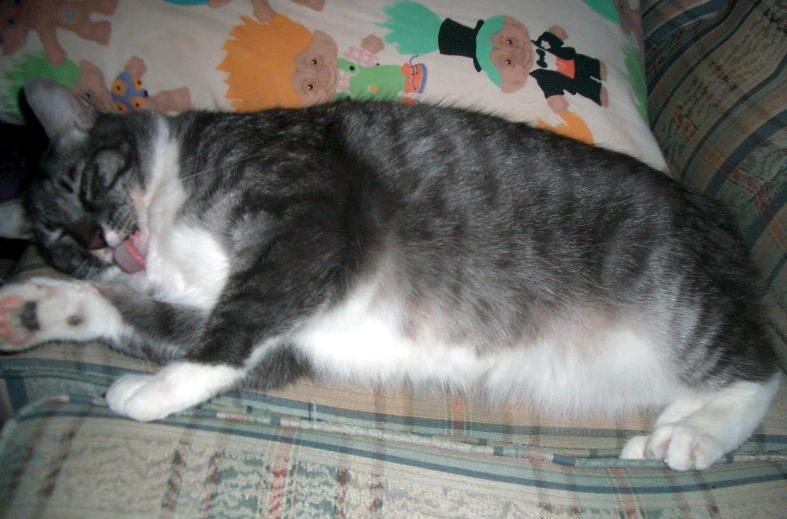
(84, 203)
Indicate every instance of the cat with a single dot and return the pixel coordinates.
(377, 243)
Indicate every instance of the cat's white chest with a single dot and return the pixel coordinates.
(185, 263)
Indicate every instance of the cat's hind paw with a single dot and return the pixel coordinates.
(681, 446)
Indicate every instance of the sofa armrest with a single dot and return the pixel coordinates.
(717, 102)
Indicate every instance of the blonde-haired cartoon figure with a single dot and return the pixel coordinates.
(282, 63)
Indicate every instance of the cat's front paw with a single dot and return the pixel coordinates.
(681, 446)
(34, 312)
(175, 388)
(144, 398)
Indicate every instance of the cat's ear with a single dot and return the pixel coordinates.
(60, 111)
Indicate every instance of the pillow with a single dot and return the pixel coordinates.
(573, 66)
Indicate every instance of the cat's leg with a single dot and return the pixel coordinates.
(44, 310)
(246, 333)
(174, 388)
(695, 431)
(184, 384)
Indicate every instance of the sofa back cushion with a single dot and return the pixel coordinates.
(718, 106)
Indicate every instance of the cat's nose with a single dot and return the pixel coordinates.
(88, 233)
(97, 242)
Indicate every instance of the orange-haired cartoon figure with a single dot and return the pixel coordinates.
(282, 63)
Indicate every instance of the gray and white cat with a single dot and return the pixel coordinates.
(377, 243)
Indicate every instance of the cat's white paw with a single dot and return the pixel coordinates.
(681, 446)
(173, 389)
(142, 397)
(635, 448)
(42, 310)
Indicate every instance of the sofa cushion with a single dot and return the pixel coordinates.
(663, 18)
(87, 370)
(718, 106)
(317, 451)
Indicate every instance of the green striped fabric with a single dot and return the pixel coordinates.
(66, 458)
(312, 450)
(661, 18)
(718, 107)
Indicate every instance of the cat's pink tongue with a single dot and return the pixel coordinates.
(128, 257)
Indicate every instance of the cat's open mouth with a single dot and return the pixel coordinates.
(128, 256)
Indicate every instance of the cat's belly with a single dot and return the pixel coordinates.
(368, 349)
(616, 370)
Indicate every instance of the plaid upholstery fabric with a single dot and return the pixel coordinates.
(718, 106)
(311, 450)
(661, 18)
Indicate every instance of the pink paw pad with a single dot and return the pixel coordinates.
(11, 303)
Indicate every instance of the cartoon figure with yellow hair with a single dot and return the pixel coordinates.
(261, 8)
(282, 63)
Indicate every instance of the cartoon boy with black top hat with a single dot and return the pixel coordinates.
(501, 47)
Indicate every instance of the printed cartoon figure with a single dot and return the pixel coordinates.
(293, 66)
(626, 14)
(262, 10)
(571, 125)
(22, 67)
(501, 47)
(557, 69)
(126, 92)
(361, 76)
(19, 17)
(630, 18)
(280, 63)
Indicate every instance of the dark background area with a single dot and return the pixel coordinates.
(20, 148)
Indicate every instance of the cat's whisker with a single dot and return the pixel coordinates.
(223, 166)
